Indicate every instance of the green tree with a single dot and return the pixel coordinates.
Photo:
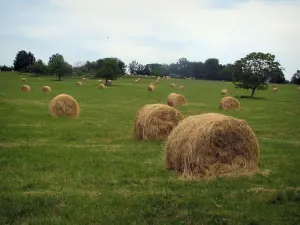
(211, 68)
(58, 66)
(296, 78)
(23, 61)
(133, 67)
(109, 70)
(39, 67)
(255, 70)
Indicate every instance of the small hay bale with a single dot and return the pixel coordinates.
(224, 92)
(24, 79)
(46, 89)
(156, 121)
(275, 85)
(175, 100)
(79, 83)
(84, 79)
(181, 88)
(229, 103)
(172, 85)
(212, 145)
(64, 105)
(137, 81)
(275, 89)
(101, 86)
(151, 87)
(109, 82)
(157, 81)
(100, 81)
(25, 88)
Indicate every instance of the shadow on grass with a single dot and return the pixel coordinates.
(249, 97)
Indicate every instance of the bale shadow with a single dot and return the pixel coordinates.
(249, 97)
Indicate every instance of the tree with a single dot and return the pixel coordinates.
(58, 66)
(23, 61)
(133, 67)
(255, 70)
(39, 67)
(211, 68)
(109, 70)
(296, 78)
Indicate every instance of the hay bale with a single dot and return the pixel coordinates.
(181, 88)
(137, 81)
(24, 79)
(172, 85)
(224, 92)
(156, 121)
(275, 89)
(151, 87)
(64, 105)
(79, 83)
(109, 82)
(100, 81)
(25, 88)
(275, 85)
(101, 86)
(157, 81)
(212, 145)
(46, 89)
(84, 79)
(229, 103)
(175, 100)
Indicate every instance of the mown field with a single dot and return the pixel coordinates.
(90, 170)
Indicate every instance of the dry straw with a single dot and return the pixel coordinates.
(84, 79)
(79, 83)
(109, 82)
(24, 80)
(100, 81)
(275, 89)
(25, 88)
(101, 86)
(151, 87)
(224, 92)
(157, 81)
(181, 88)
(137, 81)
(175, 100)
(212, 145)
(64, 105)
(172, 85)
(46, 89)
(229, 103)
(156, 121)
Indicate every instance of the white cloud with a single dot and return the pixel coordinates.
(227, 34)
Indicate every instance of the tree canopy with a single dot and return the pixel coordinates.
(23, 61)
(296, 78)
(58, 66)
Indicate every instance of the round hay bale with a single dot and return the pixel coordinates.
(175, 100)
(181, 88)
(212, 145)
(84, 79)
(156, 121)
(224, 92)
(275, 85)
(100, 81)
(101, 86)
(137, 81)
(79, 83)
(109, 82)
(46, 89)
(151, 87)
(25, 88)
(64, 105)
(172, 85)
(229, 103)
(157, 81)
(275, 89)
(24, 79)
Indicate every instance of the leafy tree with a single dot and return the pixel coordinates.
(147, 70)
(225, 72)
(211, 68)
(255, 70)
(296, 78)
(23, 61)
(133, 67)
(278, 77)
(39, 67)
(58, 66)
(6, 68)
(109, 70)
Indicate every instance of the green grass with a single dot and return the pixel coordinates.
(91, 171)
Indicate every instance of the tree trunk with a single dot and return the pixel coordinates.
(253, 90)
(106, 81)
(59, 77)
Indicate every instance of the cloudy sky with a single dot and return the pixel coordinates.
(151, 31)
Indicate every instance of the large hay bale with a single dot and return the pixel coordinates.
(64, 105)
(46, 89)
(79, 83)
(172, 85)
(212, 145)
(151, 87)
(224, 92)
(24, 79)
(25, 88)
(275, 89)
(175, 100)
(156, 121)
(181, 87)
(229, 103)
(101, 86)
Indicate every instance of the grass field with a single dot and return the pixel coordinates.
(90, 170)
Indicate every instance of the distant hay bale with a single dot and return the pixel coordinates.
(224, 92)
(101, 86)
(64, 105)
(79, 83)
(275, 89)
(172, 85)
(25, 88)
(181, 88)
(229, 103)
(137, 81)
(24, 79)
(109, 82)
(212, 145)
(151, 87)
(46, 89)
(157, 81)
(100, 81)
(275, 85)
(84, 79)
(156, 121)
(175, 100)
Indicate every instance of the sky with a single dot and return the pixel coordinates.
(151, 31)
